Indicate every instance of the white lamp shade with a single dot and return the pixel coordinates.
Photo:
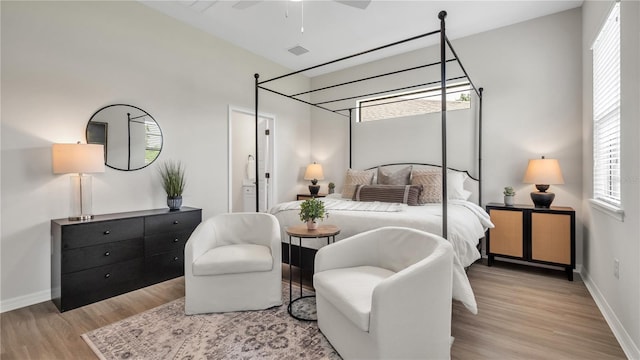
(543, 171)
(77, 158)
(314, 172)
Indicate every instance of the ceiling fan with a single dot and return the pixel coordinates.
(359, 4)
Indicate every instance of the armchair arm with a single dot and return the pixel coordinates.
(414, 306)
(202, 239)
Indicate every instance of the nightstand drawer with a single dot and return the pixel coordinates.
(101, 232)
(172, 222)
(165, 242)
(93, 256)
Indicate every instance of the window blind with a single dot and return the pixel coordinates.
(606, 111)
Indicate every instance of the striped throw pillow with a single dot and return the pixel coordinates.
(403, 194)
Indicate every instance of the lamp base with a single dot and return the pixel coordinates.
(80, 218)
(314, 189)
(542, 199)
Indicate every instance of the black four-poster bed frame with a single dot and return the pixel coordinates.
(444, 43)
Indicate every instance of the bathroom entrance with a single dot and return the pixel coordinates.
(242, 160)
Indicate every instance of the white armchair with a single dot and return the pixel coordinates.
(232, 263)
(386, 294)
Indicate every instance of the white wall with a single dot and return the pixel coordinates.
(531, 74)
(62, 61)
(607, 238)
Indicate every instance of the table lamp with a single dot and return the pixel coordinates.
(81, 159)
(314, 173)
(543, 172)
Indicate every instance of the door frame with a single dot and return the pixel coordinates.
(272, 193)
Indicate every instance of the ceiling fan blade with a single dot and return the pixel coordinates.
(360, 4)
(241, 5)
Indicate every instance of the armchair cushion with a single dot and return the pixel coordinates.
(350, 290)
(233, 259)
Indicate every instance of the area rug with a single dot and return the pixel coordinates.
(165, 332)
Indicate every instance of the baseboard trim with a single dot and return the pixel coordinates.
(628, 346)
(25, 300)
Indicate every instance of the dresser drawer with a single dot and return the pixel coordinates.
(171, 222)
(159, 243)
(102, 254)
(87, 286)
(164, 266)
(101, 232)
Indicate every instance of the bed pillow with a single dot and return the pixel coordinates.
(356, 177)
(403, 194)
(431, 180)
(400, 177)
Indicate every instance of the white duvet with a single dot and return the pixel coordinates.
(467, 223)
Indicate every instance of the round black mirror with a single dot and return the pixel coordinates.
(131, 137)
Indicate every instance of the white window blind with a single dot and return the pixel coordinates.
(606, 111)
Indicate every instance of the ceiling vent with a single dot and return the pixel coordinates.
(298, 50)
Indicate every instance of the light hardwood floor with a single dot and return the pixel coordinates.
(523, 314)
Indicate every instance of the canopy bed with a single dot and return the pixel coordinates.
(458, 219)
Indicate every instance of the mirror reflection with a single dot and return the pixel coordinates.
(131, 137)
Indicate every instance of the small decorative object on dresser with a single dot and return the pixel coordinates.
(332, 188)
(509, 193)
(312, 210)
(173, 182)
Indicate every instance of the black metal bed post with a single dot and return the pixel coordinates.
(443, 93)
(480, 148)
(350, 139)
(257, 76)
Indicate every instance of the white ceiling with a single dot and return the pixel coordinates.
(333, 29)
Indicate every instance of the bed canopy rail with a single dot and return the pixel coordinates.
(444, 88)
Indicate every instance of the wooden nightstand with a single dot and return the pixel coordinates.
(309, 196)
(537, 235)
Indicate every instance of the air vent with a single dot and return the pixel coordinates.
(298, 50)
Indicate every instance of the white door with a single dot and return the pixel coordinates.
(242, 143)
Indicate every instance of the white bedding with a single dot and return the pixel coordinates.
(467, 223)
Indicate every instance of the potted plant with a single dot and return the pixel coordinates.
(509, 193)
(332, 187)
(312, 210)
(173, 182)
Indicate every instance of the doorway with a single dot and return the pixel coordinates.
(242, 157)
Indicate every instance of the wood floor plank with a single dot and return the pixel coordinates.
(522, 314)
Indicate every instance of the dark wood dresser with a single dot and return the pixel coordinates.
(117, 253)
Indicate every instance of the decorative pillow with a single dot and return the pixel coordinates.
(356, 177)
(431, 180)
(404, 194)
(431, 187)
(400, 177)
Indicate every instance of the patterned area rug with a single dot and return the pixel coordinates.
(165, 332)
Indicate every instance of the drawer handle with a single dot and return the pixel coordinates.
(176, 258)
(176, 222)
(107, 232)
(176, 240)
(107, 253)
(107, 275)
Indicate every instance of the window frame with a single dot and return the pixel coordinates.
(431, 92)
(606, 117)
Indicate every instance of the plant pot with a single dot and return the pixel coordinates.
(312, 225)
(174, 203)
(508, 200)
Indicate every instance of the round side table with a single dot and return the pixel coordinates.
(301, 232)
